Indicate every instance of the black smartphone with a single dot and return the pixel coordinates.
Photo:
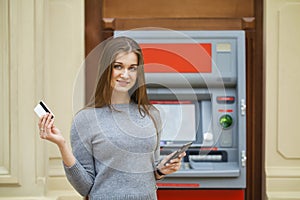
(182, 149)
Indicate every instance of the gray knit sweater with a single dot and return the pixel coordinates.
(116, 152)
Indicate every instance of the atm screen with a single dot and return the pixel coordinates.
(178, 122)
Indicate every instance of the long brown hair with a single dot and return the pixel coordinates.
(103, 90)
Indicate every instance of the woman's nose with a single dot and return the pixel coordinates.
(125, 73)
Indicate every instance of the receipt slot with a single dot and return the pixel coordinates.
(197, 81)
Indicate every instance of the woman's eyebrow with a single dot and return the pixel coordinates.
(117, 62)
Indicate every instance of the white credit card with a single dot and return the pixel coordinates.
(42, 109)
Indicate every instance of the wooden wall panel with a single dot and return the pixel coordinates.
(178, 24)
(62, 69)
(42, 48)
(178, 15)
(177, 9)
(7, 176)
(282, 100)
(288, 76)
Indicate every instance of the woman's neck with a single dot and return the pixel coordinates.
(120, 98)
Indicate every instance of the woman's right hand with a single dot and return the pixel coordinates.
(49, 132)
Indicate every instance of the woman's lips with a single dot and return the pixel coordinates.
(122, 83)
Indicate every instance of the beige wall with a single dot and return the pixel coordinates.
(42, 50)
(282, 62)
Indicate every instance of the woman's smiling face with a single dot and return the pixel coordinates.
(124, 73)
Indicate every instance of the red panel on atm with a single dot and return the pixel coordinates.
(215, 194)
(174, 58)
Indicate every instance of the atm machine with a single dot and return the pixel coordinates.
(197, 81)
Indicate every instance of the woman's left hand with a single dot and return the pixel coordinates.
(171, 167)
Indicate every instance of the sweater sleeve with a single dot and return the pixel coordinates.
(158, 122)
(82, 174)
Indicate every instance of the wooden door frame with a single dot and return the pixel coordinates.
(95, 33)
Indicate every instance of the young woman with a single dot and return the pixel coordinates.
(115, 139)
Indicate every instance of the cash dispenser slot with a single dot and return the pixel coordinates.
(211, 156)
(205, 164)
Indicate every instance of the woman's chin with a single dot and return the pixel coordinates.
(121, 89)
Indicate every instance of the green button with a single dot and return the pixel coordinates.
(225, 121)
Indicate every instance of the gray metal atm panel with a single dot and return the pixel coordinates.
(225, 47)
(227, 78)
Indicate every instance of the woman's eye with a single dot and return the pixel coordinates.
(132, 69)
(117, 67)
